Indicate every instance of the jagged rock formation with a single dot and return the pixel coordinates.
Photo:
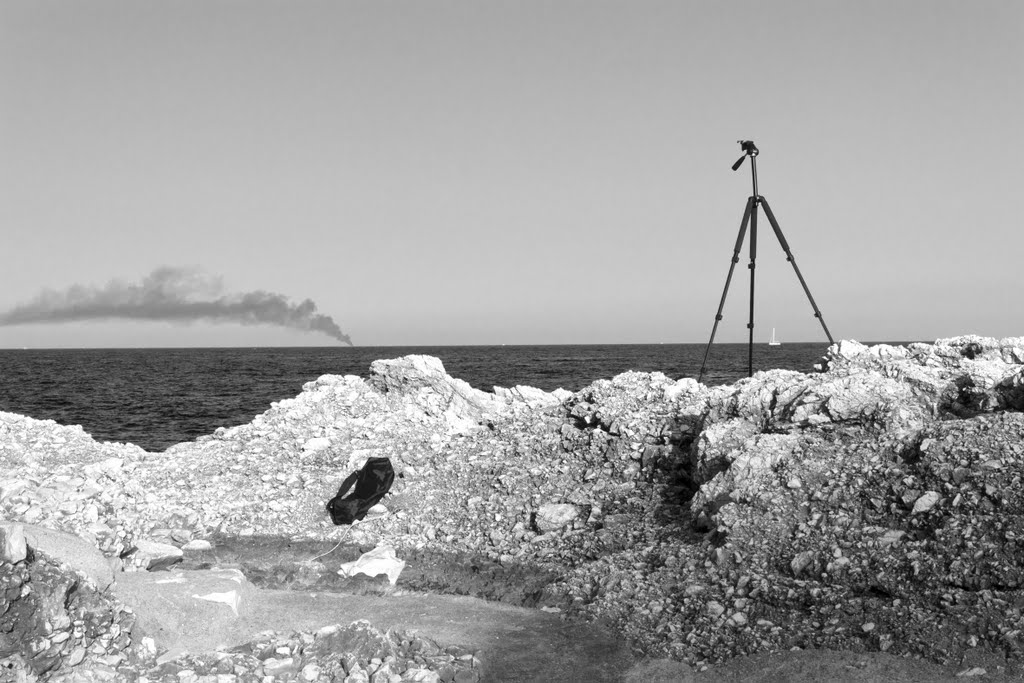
(874, 505)
(53, 617)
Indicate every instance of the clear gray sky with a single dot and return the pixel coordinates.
(519, 172)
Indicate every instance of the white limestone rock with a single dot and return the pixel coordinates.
(75, 552)
(317, 443)
(926, 502)
(531, 396)
(13, 548)
(555, 516)
(198, 545)
(152, 555)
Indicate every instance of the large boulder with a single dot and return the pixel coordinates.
(189, 610)
(962, 375)
(532, 396)
(783, 399)
(52, 621)
(421, 384)
(13, 548)
(153, 555)
(65, 548)
(719, 445)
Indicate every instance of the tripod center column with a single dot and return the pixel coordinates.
(753, 174)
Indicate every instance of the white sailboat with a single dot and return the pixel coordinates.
(772, 341)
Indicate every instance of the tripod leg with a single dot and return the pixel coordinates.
(789, 257)
(728, 279)
(752, 266)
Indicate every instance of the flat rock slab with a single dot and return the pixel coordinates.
(69, 549)
(513, 643)
(195, 611)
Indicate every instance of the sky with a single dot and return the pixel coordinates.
(432, 172)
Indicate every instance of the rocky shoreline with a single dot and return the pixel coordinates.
(873, 506)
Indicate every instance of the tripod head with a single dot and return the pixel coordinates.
(749, 150)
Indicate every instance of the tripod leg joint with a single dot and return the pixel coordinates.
(718, 318)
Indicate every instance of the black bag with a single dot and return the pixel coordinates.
(372, 483)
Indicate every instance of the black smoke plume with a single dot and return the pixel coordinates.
(172, 294)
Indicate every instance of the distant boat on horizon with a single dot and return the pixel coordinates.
(772, 341)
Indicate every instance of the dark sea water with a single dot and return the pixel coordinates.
(158, 397)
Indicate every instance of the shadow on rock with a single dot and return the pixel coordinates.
(193, 609)
(281, 563)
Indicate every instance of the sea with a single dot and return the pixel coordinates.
(156, 398)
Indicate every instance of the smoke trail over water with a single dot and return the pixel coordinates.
(175, 295)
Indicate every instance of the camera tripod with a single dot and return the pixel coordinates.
(750, 216)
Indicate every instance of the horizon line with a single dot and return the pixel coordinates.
(436, 346)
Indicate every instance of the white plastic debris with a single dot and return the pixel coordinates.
(380, 560)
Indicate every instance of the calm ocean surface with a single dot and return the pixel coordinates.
(158, 397)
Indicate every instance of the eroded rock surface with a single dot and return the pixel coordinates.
(873, 506)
